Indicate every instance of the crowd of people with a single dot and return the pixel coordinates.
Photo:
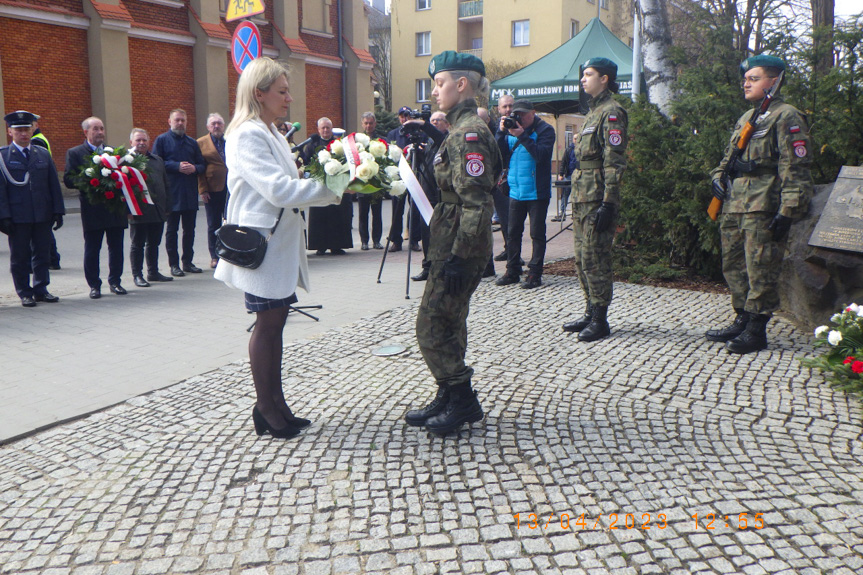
(468, 166)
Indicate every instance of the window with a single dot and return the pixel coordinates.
(423, 4)
(574, 27)
(423, 90)
(476, 43)
(604, 4)
(521, 33)
(316, 16)
(591, 1)
(423, 43)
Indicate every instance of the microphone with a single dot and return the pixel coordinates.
(301, 144)
(294, 127)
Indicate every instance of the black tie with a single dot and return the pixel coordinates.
(26, 152)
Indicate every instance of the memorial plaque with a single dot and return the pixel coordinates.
(840, 226)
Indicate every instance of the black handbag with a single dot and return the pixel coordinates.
(243, 246)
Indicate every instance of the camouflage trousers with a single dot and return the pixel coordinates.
(751, 261)
(442, 325)
(593, 253)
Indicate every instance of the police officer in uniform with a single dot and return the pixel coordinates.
(771, 187)
(466, 168)
(30, 201)
(596, 195)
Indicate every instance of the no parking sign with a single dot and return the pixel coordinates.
(245, 45)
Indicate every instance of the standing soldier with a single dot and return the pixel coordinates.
(30, 201)
(596, 196)
(466, 168)
(771, 186)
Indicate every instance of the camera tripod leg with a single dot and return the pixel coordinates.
(383, 259)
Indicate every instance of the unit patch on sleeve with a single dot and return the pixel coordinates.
(473, 164)
(614, 137)
(800, 148)
(471, 137)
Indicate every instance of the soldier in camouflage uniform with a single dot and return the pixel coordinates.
(771, 186)
(596, 196)
(466, 168)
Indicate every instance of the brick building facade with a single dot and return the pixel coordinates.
(131, 61)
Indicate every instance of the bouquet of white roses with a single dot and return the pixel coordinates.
(842, 360)
(360, 164)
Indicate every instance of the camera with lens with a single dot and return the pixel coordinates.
(423, 113)
(512, 121)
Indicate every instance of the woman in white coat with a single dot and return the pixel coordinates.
(263, 179)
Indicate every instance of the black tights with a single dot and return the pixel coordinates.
(265, 357)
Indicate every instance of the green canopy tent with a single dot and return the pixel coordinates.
(552, 82)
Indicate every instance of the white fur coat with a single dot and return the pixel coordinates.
(262, 179)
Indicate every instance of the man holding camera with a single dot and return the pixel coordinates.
(526, 143)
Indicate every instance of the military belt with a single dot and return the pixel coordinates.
(590, 164)
(759, 171)
(448, 197)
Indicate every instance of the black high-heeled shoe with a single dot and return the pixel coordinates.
(262, 427)
(298, 422)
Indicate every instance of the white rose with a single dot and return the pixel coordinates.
(836, 317)
(128, 158)
(360, 147)
(336, 148)
(362, 139)
(90, 172)
(820, 330)
(853, 308)
(97, 159)
(860, 311)
(392, 172)
(365, 172)
(108, 150)
(398, 188)
(366, 157)
(395, 153)
(333, 167)
(834, 337)
(378, 149)
(324, 156)
(106, 172)
(124, 169)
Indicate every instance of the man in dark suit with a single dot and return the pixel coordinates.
(97, 221)
(30, 201)
(183, 162)
(213, 183)
(145, 231)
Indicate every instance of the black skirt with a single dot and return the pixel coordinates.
(256, 304)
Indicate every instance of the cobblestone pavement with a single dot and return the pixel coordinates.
(653, 424)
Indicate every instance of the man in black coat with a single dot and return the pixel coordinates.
(145, 231)
(97, 221)
(30, 201)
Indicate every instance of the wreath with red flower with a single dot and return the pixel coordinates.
(115, 178)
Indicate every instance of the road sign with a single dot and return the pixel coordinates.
(245, 45)
(243, 9)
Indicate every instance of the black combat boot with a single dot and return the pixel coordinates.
(598, 327)
(418, 417)
(732, 331)
(754, 338)
(462, 407)
(582, 322)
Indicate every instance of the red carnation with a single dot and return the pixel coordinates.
(145, 176)
(109, 195)
(857, 367)
(849, 359)
(115, 176)
(118, 185)
(94, 182)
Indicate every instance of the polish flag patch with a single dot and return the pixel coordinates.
(471, 137)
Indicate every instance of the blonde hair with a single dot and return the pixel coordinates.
(260, 74)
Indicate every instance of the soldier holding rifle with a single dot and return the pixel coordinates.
(765, 183)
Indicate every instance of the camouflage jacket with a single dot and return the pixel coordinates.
(466, 169)
(600, 152)
(780, 180)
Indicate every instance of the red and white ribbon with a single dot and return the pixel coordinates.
(111, 162)
(138, 178)
(352, 155)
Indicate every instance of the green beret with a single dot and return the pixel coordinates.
(451, 60)
(761, 61)
(603, 65)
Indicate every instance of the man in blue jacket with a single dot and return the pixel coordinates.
(183, 162)
(30, 201)
(526, 146)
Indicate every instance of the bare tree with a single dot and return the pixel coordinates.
(659, 70)
(823, 12)
(381, 49)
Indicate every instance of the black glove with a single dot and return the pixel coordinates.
(455, 274)
(604, 215)
(6, 226)
(58, 221)
(779, 226)
(719, 191)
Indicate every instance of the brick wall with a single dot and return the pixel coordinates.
(323, 96)
(233, 78)
(155, 15)
(156, 92)
(52, 81)
(71, 5)
(319, 44)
